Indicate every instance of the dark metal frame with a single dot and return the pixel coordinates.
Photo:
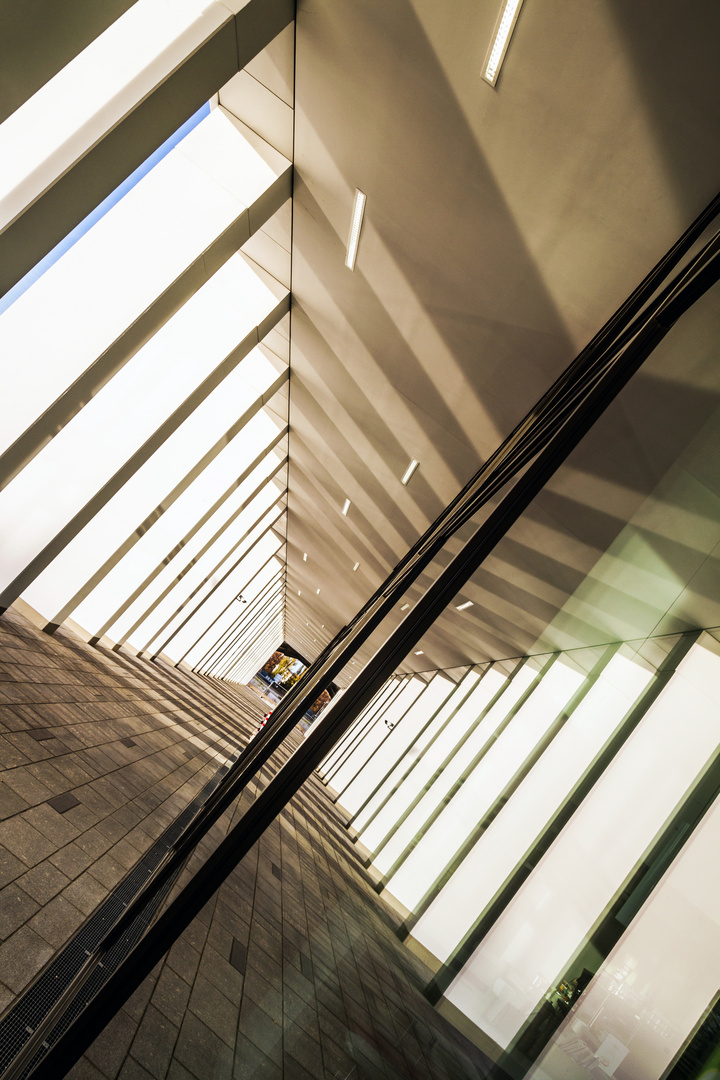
(534, 451)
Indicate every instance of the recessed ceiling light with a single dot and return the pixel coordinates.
(467, 604)
(503, 30)
(355, 566)
(404, 607)
(355, 227)
(409, 471)
(419, 653)
(346, 507)
(304, 556)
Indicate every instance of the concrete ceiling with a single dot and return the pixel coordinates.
(503, 227)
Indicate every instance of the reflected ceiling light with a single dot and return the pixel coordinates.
(346, 507)
(355, 566)
(299, 593)
(317, 592)
(409, 471)
(467, 604)
(355, 227)
(304, 556)
(419, 653)
(404, 607)
(503, 31)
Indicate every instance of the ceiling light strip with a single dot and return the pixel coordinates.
(501, 38)
(409, 471)
(355, 227)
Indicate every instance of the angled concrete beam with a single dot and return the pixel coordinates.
(39, 37)
(186, 620)
(42, 430)
(271, 604)
(255, 635)
(78, 522)
(188, 566)
(116, 153)
(137, 533)
(218, 650)
(247, 585)
(194, 561)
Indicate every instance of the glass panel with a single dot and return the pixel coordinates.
(383, 810)
(401, 747)
(432, 790)
(377, 734)
(636, 1013)
(369, 716)
(420, 869)
(551, 919)
(505, 843)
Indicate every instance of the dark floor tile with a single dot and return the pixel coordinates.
(264, 1031)
(171, 995)
(202, 1052)
(251, 1064)
(154, 1042)
(214, 1009)
(63, 803)
(303, 1048)
(108, 1051)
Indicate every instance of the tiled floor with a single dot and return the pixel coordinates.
(292, 970)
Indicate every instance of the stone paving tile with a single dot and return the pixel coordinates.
(292, 971)
(86, 701)
(154, 1042)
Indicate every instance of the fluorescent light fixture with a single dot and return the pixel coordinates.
(419, 653)
(463, 607)
(355, 566)
(409, 471)
(404, 607)
(501, 37)
(346, 507)
(355, 227)
(304, 556)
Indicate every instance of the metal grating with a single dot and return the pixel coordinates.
(20, 1022)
